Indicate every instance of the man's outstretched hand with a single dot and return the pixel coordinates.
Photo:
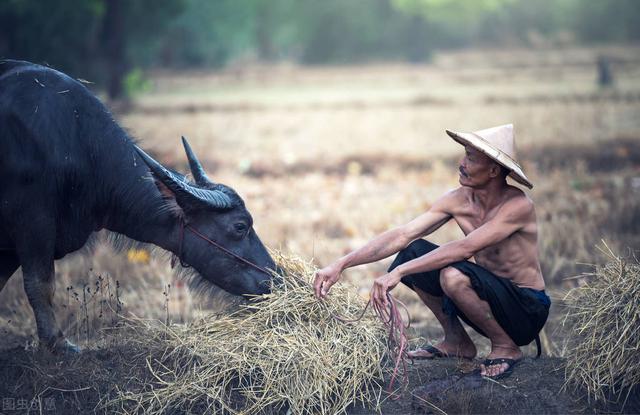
(325, 278)
(382, 285)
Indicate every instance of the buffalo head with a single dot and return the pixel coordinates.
(207, 210)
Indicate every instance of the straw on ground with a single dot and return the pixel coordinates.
(283, 351)
(605, 315)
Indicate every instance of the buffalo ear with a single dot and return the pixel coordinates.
(171, 203)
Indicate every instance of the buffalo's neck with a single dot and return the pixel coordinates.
(137, 215)
(131, 204)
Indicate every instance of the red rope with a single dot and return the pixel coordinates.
(214, 243)
(174, 257)
(223, 249)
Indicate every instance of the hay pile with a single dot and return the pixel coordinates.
(283, 353)
(605, 315)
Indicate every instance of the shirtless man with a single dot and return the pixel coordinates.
(501, 295)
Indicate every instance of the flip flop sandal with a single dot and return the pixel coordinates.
(435, 353)
(511, 363)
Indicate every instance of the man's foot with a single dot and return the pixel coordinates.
(504, 367)
(500, 364)
(444, 350)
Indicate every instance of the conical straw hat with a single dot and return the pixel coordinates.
(498, 143)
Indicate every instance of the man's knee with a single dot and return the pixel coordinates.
(412, 251)
(452, 280)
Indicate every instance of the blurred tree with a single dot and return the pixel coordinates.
(265, 27)
(129, 30)
(208, 33)
(104, 40)
(331, 31)
(452, 11)
(62, 33)
(334, 31)
(508, 21)
(337, 31)
(278, 25)
(95, 39)
(522, 22)
(113, 38)
(607, 20)
(452, 23)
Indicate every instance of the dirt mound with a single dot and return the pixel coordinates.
(37, 381)
(59, 385)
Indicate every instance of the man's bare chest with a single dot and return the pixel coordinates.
(501, 254)
(471, 219)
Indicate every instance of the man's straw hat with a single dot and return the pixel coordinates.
(498, 143)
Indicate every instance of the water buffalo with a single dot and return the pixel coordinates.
(69, 170)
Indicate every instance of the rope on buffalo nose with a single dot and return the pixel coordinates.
(397, 340)
(230, 253)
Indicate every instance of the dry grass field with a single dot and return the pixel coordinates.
(326, 158)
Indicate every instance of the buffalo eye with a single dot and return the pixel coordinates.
(240, 227)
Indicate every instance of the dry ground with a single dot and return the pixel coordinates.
(80, 385)
(326, 158)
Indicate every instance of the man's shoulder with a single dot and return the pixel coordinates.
(453, 197)
(456, 192)
(518, 202)
(518, 196)
(515, 198)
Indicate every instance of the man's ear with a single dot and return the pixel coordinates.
(169, 198)
(495, 170)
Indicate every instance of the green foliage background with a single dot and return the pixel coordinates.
(73, 35)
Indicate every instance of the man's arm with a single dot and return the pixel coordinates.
(513, 216)
(385, 244)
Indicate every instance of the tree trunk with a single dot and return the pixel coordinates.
(113, 35)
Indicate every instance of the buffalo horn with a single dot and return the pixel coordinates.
(196, 168)
(184, 191)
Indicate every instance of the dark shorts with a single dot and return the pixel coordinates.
(521, 312)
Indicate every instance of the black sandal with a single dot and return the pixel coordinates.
(435, 353)
(508, 371)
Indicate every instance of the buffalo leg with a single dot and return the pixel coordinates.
(36, 258)
(39, 286)
(8, 266)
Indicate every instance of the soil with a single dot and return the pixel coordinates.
(33, 381)
(453, 386)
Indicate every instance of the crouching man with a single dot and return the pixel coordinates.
(501, 294)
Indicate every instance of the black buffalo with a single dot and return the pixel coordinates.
(67, 170)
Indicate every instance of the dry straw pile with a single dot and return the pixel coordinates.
(283, 353)
(605, 315)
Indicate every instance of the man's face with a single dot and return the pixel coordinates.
(476, 169)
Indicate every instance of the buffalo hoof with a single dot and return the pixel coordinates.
(64, 347)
